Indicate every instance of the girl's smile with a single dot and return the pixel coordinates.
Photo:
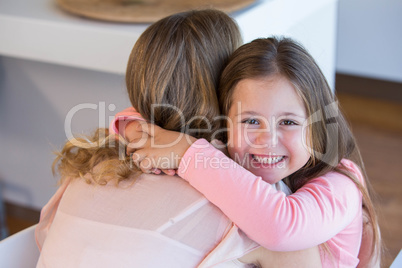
(267, 133)
(267, 161)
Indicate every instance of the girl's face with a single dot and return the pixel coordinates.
(266, 132)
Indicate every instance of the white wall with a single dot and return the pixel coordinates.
(35, 99)
(311, 22)
(370, 39)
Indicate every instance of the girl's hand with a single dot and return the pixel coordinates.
(158, 148)
(131, 134)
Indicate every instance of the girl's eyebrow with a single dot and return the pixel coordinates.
(249, 113)
(293, 114)
(285, 114)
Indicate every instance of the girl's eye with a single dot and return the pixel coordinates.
(288, 122)
(251, 121)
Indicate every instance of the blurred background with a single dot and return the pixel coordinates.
(55, 65)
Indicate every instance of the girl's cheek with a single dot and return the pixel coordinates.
(231, 136)
(234, 148)
(297, 137)
(235, 136)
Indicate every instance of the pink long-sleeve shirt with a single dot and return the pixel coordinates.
(326, 209)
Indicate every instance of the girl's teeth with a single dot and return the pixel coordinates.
(268, 160)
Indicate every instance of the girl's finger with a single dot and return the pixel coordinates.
(137, 157)
(146, 165)
(149, 128)
(156, 171)
(170, 172)
(137, 144)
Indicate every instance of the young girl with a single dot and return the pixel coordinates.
(147, 220)
(283, 123)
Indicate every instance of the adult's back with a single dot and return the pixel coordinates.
(146, 221)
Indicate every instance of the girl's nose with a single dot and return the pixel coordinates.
(267, 137)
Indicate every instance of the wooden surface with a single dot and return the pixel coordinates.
(143, 11)
(369, 87)
(19, 218)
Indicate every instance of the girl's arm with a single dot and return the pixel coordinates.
(309, 217)
(314, 214)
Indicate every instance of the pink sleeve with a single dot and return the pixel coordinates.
(122, 118)
(309, 217)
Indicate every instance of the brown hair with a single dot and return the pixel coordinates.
(178, 61)
(176, 64)
(330, 137)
